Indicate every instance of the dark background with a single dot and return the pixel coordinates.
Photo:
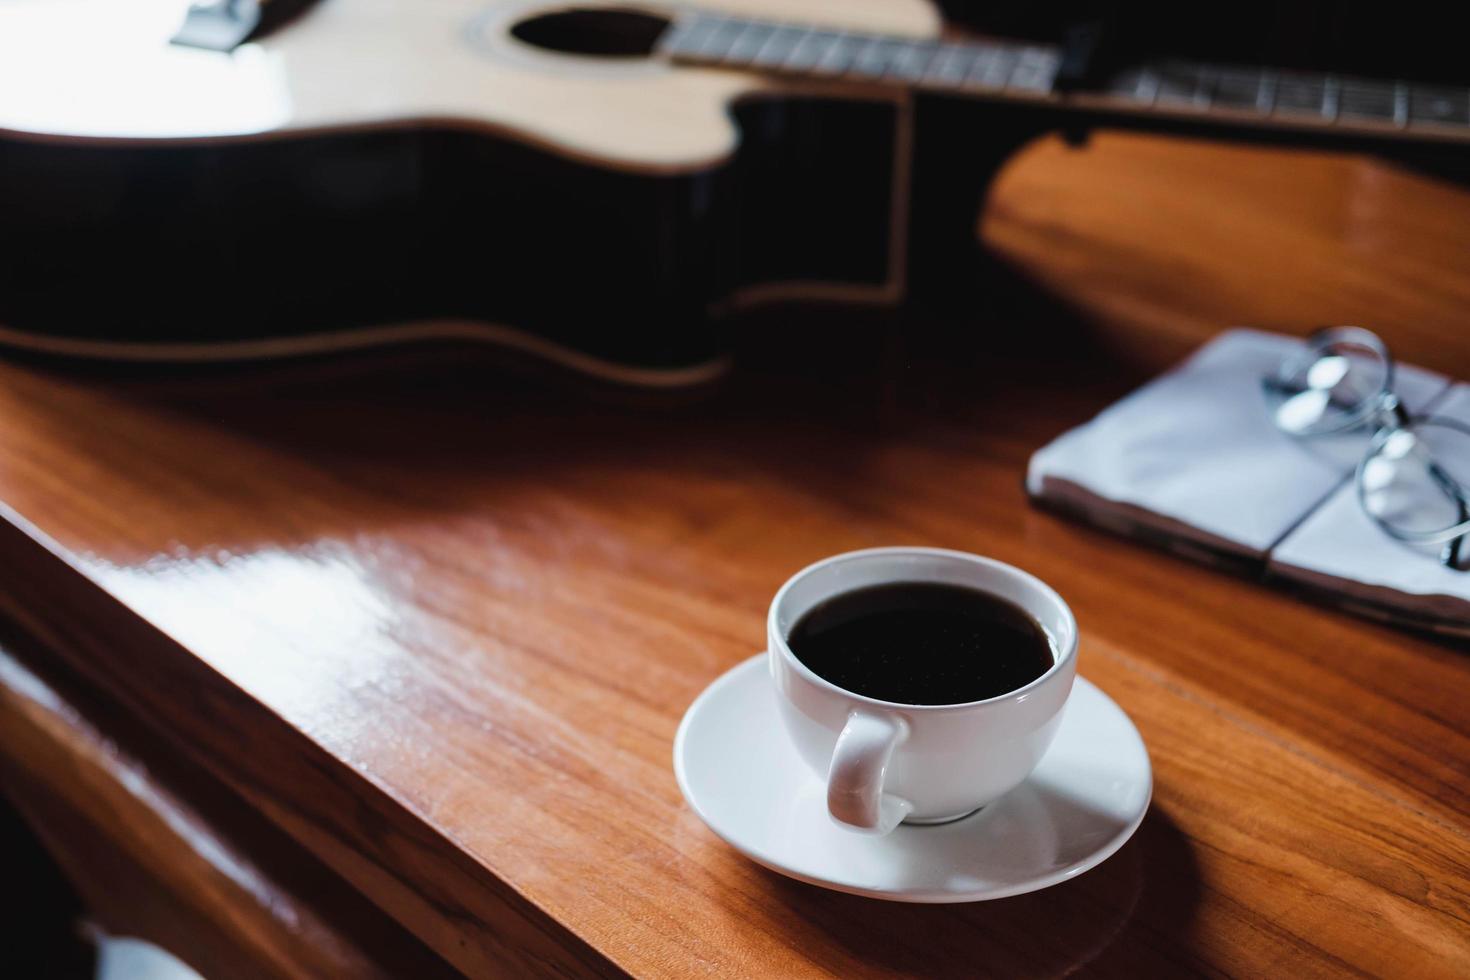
(1416, 41)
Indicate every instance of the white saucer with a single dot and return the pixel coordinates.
(741, 775)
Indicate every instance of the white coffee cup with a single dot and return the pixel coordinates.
(887, 763)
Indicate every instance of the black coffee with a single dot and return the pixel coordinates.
(922, 643)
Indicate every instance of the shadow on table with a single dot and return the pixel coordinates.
(403, 435)
(1132, 916)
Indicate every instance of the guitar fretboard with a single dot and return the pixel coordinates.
(1294, 96)
(795, 49)
(1032, 71)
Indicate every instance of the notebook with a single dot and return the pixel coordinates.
(1194, 463)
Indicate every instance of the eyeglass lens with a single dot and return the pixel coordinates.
(1341, 380)
(1415, 480)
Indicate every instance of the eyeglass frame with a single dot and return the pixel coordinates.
(1385, 411)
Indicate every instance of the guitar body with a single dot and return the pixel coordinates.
(376, 171)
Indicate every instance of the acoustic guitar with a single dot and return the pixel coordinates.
(595, 184)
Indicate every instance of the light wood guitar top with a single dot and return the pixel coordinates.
(104, 68)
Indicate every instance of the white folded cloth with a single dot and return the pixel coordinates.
(1194, 461)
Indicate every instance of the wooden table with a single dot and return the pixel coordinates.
(431, 626)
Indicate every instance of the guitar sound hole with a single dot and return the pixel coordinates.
(607, 32)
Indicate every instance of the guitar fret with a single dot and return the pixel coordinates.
(1178, 84)
(876, 57)
(980, 68)
(1362, 99)
(809, 50)
(1433, 104)
(1036, 70)
(1300, 95)
(1331, 98)
(779, 46)
(950, 65)
(910, 62)
(747, 44)
(677, 36)
(992, 67)
(840, 55)
(720, 38)
(1266, 93)
(1238, 89)
(861, 46)
(1206, 81)
(1138, 85)
(688, 35)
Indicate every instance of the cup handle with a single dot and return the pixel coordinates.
(855, 796)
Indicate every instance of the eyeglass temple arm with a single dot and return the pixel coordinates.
(1450, 555)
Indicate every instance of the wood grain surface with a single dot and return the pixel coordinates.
(199, 874)
(439, 622)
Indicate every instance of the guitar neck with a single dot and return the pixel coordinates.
(996, 70)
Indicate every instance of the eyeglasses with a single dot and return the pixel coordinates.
(1414, 479)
